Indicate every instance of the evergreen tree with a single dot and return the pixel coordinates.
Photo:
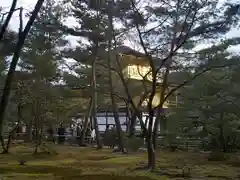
(41, 54)
(209, 107)
(41, 58)
(93, 26)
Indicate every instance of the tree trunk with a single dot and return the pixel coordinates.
(85, 124)
(132, 129)
(162, 126)
(151, 112)
(94, 97)
(9, 16)
(222, 139)
(136, 114)
(39, 133)
(8, 81)
(128, 120)
(113, 100)
(159, 115)
(29, 131)
(12, 134)
(149, 137)
(36, 139)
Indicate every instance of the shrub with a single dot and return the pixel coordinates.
(217, 156)
(173, 147)
(133, 144)
(109, 138)
(171, 142)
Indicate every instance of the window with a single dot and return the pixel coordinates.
(122, 114)
(111, 120)
(102, 128)
(101, 120)
(122, 120)
(138, 72)
(101, 114)
(133, 71)
(124, 128)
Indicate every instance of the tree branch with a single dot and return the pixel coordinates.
(194, 77)
(10, 75)
(5, 25)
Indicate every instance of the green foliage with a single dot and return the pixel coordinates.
(171, 142)
(218, 156)
(133, 144)
(87, 163)
(210, 106)
(41, 54)
(40, 59)
(7, 44)
(93, 26)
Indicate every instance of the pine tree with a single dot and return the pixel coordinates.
(93, 28)
(41, 56)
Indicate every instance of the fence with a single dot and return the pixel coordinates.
(181, 143)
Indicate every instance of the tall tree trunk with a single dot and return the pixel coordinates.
(9, 16)
(222, 139)
(133, 120)
(128, 118)
(85, 124)
(29, 130)
(36, 138)
(135, 108)
(159, 117)
(13, 132)
(94, 97)
(39, 134)
(150, 149)
(113, 100)
(151, 113)
(136, 114)
(8, 81)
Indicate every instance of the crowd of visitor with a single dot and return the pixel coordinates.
(109, 135)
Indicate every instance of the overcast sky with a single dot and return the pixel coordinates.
(29, 4)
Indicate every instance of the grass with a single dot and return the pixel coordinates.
(75, 163)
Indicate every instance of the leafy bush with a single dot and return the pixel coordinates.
(110, 138)
(218, 156)
(133, 144)
(205, 144)
(171, 142)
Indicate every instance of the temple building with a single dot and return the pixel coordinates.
(136, 71)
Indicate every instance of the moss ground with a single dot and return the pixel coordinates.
(75, 163)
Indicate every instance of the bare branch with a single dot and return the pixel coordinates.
(5, 25)
(193, 78)
(20, 22)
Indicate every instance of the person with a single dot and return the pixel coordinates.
(51, 134)
(114, 127)
(107, 128)
(61, 134)
(93, 135)
(78, 130)
(107, 137)
(113, 136)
